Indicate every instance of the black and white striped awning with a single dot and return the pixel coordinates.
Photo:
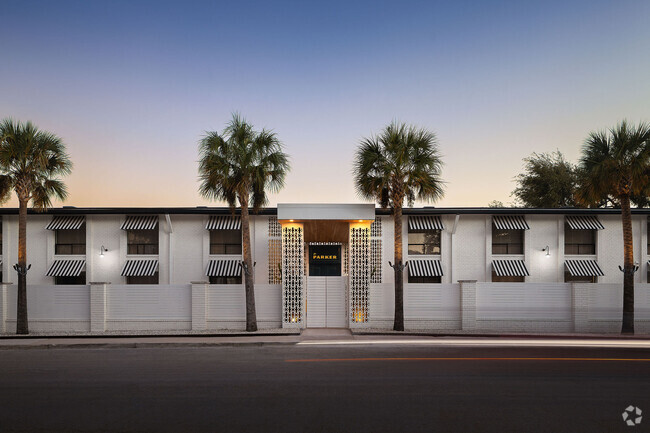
(510, 268)
(140, 222)
(140, 268)
(223, 268)
(583, 268)
(223, 223)
(510, 222)
(425, 268)
(584, 222)
(66, 268)
(67, 222)
(429, 222)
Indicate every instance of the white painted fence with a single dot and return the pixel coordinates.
(226, 306)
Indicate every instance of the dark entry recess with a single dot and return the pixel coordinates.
(324, 260)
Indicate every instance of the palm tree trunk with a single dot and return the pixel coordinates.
(21, 311)
(628, 267)
(399, 281)
(251, 317)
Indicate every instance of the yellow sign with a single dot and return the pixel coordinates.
(324, 256)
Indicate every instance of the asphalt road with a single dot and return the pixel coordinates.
(323, 388)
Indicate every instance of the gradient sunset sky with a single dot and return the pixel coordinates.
(131, 86)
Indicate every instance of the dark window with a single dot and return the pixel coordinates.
(324, 260)
(424, 242)
(153, 279)
(579, 241)
(507, 241)
(64, 281)
(142, 242)
(504, 279)
(71, 241)
(568, 278)
(424, 280)
(225, 242)
(226, 280)
(647, 238)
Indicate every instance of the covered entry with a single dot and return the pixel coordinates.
(325, 264)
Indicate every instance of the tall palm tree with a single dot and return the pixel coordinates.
(31, 164)
(241, 165)
(402, 162)
(615, 166)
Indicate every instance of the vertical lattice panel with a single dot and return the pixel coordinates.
(346, 258)
(376, 258)
(275, 229)
(359, 273)
(275, 261)
(375, 228)
(293, 272)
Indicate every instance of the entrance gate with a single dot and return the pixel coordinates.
(326, 306)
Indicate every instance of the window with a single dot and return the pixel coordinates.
(579, 241)
(226, 280)
(647, 238)
(71, 281)
(71, 241)
(424, 280)
(507, 279)
(225, 242)
(142, 242)
(507, 241)
(150, 279)
(568, 278)
(423, 241)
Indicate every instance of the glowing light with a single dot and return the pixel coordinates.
(290, 221)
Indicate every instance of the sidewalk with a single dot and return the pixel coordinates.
(312, 336)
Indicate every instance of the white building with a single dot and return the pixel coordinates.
(325, 265)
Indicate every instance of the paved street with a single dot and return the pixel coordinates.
(314, 387)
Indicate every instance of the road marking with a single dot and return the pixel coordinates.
(467, 359)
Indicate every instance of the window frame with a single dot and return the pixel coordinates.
(75, 249)
(212, 246)
(508, 245)
(424, 245)
(594, 234)
(143, 246)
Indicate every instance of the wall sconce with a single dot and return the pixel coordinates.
(548, 251)
(102, 250)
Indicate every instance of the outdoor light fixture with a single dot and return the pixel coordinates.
(548, 251)
(102, 250)
(290, 221)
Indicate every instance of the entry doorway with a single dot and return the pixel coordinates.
(326, 306)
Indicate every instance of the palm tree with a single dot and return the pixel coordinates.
(615, 166)
(241, 165)
(31, 162)
(402, 162)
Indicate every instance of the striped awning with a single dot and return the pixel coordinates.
(140, 222)
(510, 222)
(584, 222)
(223, 268)
(223, 223)
(583, 268)
(425, 268)
(67, 222)
(66, 268)
(139, 268)
(510, 268)
(429, 222)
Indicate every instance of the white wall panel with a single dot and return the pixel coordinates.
(268, 302)
(226, 302)
(432, 301)
(605, 301)
(46, 302)
(187, 247)
(149, 302)
(523, 301)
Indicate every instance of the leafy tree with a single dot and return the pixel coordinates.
(495, 204)
(31, 163)
(616, 164)
(548, 181)
(241, 164)
(402, 162)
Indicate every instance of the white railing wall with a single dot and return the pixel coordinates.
(466, 307)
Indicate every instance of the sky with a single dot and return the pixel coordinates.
(132, 86)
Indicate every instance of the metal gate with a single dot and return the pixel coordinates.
(326, 306)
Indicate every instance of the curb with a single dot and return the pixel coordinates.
(142, 345)
(509, 336)
(100, 336)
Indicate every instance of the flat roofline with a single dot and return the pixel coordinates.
(271, 211)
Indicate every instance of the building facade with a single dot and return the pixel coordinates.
(324, 265)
